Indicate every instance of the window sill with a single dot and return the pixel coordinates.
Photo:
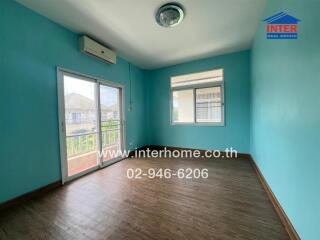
(199, 124)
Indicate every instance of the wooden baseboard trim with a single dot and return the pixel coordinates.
(202, 152)
(275, 203)
(27, 196)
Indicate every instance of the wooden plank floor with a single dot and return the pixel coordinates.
(230, 204)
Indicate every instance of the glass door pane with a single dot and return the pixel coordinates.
(80, 102)
(110, 112)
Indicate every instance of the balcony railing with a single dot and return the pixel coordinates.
(87, 142)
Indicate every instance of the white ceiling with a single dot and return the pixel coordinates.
(210, 27)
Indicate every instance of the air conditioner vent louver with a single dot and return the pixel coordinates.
(92, 48)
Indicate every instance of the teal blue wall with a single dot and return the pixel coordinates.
(234, 134)
(31, 47)
(285, 132)
(284, 105)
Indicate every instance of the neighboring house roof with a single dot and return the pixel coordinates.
(78, 101)
(281, 18)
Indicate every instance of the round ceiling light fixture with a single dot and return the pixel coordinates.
(170, 15)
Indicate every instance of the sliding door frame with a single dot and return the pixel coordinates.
(61, 72)
(121, 125)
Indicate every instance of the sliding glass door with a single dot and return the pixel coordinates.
(91, 129)
(80, 110)
(110, 109)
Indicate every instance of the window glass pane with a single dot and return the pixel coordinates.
(197, 78)
(183, 106)
(110, 121)
(209, 105)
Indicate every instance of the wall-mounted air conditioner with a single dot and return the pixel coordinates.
(92, 48)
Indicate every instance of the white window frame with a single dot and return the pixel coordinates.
(194, 88)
